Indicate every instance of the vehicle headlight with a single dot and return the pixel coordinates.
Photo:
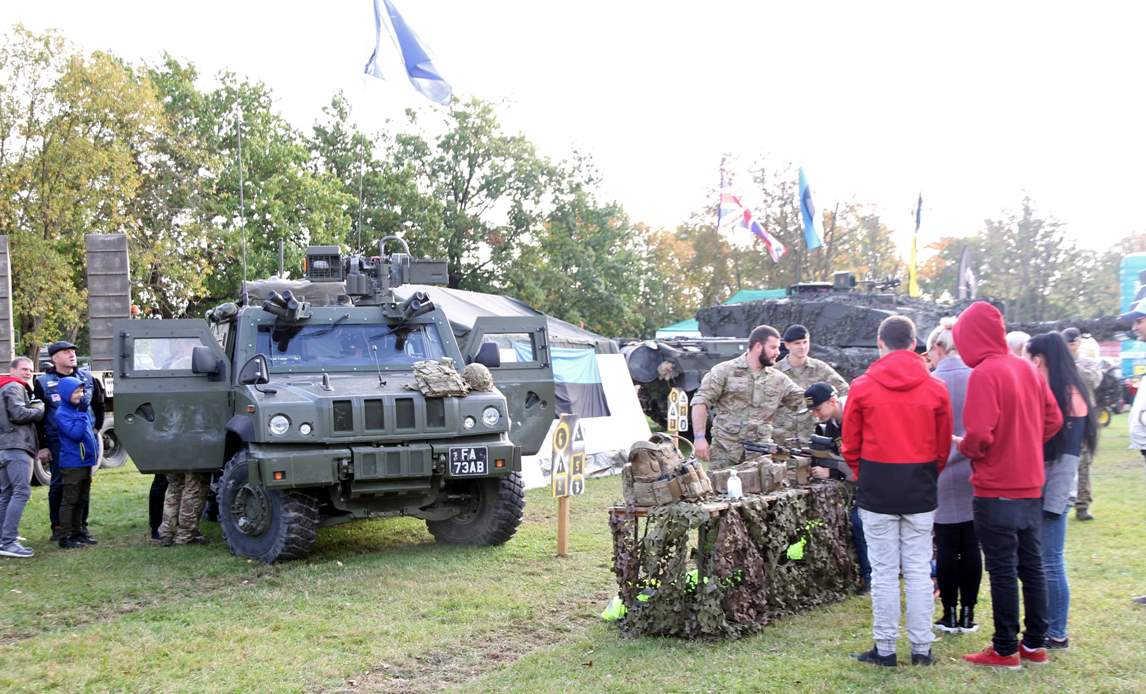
(490, 416)
(305, 429)
(279, 424)
(469, 422)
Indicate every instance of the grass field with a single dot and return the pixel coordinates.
(380, 607)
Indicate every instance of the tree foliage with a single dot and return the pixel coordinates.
(92, 144)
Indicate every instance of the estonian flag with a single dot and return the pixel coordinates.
(813, 228)
(419, 68)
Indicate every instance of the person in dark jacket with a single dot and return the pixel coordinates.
(64, 363)
(958, 561)
(18, 417)
(78, 451)
(1008, 414)
(827, 408)
(1062, 456)
(896, 437)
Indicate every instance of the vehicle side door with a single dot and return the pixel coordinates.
(169, 418)
(525, 375)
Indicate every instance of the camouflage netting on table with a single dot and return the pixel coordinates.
(750, 575)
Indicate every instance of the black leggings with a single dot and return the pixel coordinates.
(959, 565)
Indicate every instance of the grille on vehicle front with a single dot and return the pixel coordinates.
(343, 415)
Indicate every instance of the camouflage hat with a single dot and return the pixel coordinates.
(478, 377)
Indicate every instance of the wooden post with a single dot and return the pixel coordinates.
(562, 526)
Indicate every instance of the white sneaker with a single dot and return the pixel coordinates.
(16, 550)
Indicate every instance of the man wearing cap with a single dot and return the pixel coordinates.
(805, 371)
(745, 392)
(827, 407)
(1091, 372)
(63, 356)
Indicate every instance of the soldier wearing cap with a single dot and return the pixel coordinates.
(805, 371)
(1091, 372)
(745, 392)
(826, 406)
(63, 356)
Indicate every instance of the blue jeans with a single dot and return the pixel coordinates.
(1058, 590)
(15, 490)
(860, 545)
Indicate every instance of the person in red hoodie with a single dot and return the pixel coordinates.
(1008, 414)
(896, 438)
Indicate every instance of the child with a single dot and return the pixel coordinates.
(78, 452)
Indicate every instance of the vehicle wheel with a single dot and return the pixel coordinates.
(491, 516)
(114, 453)
(1105, 417)
(41, 474)
(265, 524)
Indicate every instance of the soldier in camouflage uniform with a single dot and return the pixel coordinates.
(804, 371)
(1091, 372)
(182, 507)
(746, 392)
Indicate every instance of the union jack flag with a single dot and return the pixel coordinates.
(734, 213)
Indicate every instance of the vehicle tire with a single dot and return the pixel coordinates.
(41, 474)
(265, 524)
(114, 453)
(492, 516)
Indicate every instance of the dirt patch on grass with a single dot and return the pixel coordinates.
(457, 663)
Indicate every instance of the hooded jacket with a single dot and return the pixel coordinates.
(78, 446)
(1009, 411)
(897, 434)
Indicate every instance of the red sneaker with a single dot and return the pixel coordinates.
(990, 658)
(1033, 656)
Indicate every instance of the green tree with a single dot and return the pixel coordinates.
(491, 188)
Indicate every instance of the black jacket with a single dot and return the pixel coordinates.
(18, 417)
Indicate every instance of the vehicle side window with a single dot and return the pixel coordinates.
(163, 353)
(514, 347)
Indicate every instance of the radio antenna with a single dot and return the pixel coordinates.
(242, 201)
(374, 352)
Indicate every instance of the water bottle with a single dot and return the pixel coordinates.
(735, 488)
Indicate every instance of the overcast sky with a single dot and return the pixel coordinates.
(974, 104)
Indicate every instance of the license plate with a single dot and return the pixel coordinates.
(466, 461)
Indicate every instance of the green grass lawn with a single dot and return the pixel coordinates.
(380, 607)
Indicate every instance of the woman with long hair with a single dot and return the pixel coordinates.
(958, 562)
(1051, 356)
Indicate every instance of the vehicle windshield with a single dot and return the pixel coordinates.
(348, 346)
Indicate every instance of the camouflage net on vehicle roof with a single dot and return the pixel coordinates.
(749, 575)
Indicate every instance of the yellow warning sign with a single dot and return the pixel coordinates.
(562, 476)
(677, 419)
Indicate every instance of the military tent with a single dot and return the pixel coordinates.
(591, 378)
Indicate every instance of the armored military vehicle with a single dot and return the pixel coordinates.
(303, 398)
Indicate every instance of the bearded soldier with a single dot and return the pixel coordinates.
(745, 393)
(805, 371)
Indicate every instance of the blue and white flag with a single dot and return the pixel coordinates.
(419, 68)
(813, 227)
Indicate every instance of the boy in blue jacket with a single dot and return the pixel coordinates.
(78, 450)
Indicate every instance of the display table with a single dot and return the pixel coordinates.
(725, 568)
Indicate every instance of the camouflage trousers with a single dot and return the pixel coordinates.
(1084, 497)
(724, 454)
(182, 506)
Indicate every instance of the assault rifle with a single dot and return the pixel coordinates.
(820, 450)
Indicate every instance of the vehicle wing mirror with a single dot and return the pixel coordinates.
(255, 372)
(203, 361)
(488, 355)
